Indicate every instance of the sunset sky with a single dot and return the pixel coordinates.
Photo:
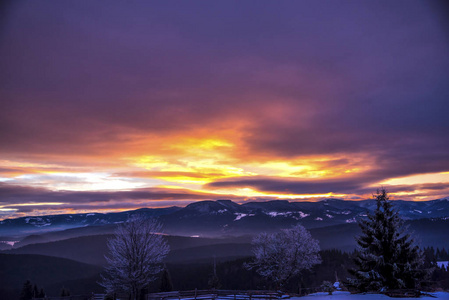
(118, 105)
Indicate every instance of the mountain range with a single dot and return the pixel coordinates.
(224, 217)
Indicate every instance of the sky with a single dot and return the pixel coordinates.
(117, 105)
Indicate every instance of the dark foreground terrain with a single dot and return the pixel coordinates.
(69, 251)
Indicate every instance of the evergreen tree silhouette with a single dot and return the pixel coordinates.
(41, 293)
(166, 283)
(35, 291)
(214, 281)
(27, 291)
(387, 256)
(65, 292)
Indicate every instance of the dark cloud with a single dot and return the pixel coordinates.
(352, 185)
(283, 186)
(13, 194)
(97, 73)
(95, 207)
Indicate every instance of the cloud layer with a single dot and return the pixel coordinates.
(262, 97)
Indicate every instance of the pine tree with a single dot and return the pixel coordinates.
(387, 257)
(65, 292)
(429, 257)
(41, 293)
(444, 255)
(438, 254)
(214, 281)
(166, 283)
(35, 291)
(27, 291)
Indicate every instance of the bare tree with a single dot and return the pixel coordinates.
(136, 253)
(281, 255)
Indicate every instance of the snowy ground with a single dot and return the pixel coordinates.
(348, 296)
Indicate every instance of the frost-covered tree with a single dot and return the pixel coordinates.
(135, 256)
(387, 256)
(281, 255)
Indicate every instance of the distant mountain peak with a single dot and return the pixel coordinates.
(205, 206)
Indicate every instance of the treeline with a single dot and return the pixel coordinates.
(433, 255)
(438, 274)
(30, 291)
(234, 276)
(334, 267)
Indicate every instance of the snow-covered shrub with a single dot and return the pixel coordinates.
(328, 287)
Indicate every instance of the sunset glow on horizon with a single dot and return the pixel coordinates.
(112, 107)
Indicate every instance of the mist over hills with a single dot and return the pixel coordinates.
(91, 249)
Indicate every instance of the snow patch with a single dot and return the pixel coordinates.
(353, 220)
(222, 211)
(37, 221)
(318, 219)
(345, 212)
(88, 215)
(300, 214)
(239, 216)
(275, 213)
(242, 215)
(11, 243)
(340, 295)
(303, 215)
(329, 216)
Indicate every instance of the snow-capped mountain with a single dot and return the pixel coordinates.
(227, 217)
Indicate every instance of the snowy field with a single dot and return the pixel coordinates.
(348, 296)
